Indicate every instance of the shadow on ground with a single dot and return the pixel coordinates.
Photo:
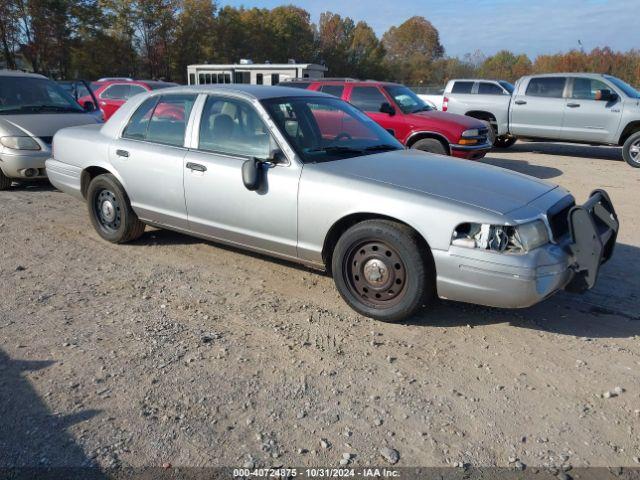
(522, 166)
(31, 436)
(567, 150)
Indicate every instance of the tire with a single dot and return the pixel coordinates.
(110, 210)
(5, 182)
(631, 150)
(431, 145)
(491, 134)
(504, 141)
(401, 274)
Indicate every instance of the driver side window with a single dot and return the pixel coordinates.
(233, 127)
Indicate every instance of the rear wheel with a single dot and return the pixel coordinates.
(631, 150)
(110, 211)
(504, 141)
(431, 145)
(381, 270)
(5, 182)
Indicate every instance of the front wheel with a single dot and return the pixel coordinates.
(431, 145)
(382, 271)
(631, 150)
(110, 211)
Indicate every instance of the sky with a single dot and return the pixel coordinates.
(533, 27)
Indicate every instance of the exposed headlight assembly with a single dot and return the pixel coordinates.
(501, 238)
(20, 143)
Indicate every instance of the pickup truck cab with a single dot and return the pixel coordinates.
(408, 118)
(570, 107)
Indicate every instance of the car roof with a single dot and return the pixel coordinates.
(569, 74)
(477, 80)
(18, 73)
(258, 92)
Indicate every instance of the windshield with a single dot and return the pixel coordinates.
(34, 95)
(407, 100)
(628, 90)
(507, 86)
(326, 129)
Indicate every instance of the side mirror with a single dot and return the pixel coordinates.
(251, 174)
(606, 95)
(89, 107)
(386, 107)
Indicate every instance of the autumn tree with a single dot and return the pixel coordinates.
(195, 35)
(505, 65)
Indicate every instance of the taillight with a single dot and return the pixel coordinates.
(445, 104)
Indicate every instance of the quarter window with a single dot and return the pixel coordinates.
(233, 127)
(335, 90)
(552, 87)
(462, 87)
(587, 88)
(489, 89)
(367, 99)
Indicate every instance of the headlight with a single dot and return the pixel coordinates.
(474, 132)
(501, 238)
(20, 143)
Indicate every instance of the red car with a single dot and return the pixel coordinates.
(112, 94)
(400, 111)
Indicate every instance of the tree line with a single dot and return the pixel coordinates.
(159, 38)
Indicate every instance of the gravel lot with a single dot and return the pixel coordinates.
(175, 350)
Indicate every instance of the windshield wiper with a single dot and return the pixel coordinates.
(381, 148)
(335, 149)
(426, 108)
(44, 108)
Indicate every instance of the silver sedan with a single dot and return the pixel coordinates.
(307, 177)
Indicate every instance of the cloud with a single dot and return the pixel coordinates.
(530, 26)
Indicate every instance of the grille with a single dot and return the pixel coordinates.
(558, 217)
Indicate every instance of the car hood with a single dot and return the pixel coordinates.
(42, 124)
(437, 116)
(477, 184)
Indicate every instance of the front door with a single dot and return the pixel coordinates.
(539, 112)
(588, 118)
(231, 132)
(150, 156)
(369, 99)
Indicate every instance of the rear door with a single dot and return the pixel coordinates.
(149, 156)
(369, 99)
(537, 108)
(587, 118)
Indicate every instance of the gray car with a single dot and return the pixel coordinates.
(307, 177)
(570, 107)
(32, 109)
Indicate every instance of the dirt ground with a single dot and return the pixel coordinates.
(176, 350)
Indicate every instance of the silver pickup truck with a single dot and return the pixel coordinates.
(569, 107)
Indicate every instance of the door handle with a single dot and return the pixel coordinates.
(573, 105)
(520, 102)
(196, 167)
(122, 153)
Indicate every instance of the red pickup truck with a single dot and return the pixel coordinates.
(401, 112)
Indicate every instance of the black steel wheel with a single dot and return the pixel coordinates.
(383, 270)
(110, 210)
(375, 272)
(5, 182)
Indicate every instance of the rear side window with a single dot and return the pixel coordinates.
(116, 92)
(551, 87)
(134, 90)
(489, 89)
(162, 120)
(462, 87)
(368, 99)
(335, 90)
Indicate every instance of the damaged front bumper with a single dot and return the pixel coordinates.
(593, 229)
(518, 281)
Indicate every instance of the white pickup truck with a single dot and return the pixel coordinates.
(569, 107)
